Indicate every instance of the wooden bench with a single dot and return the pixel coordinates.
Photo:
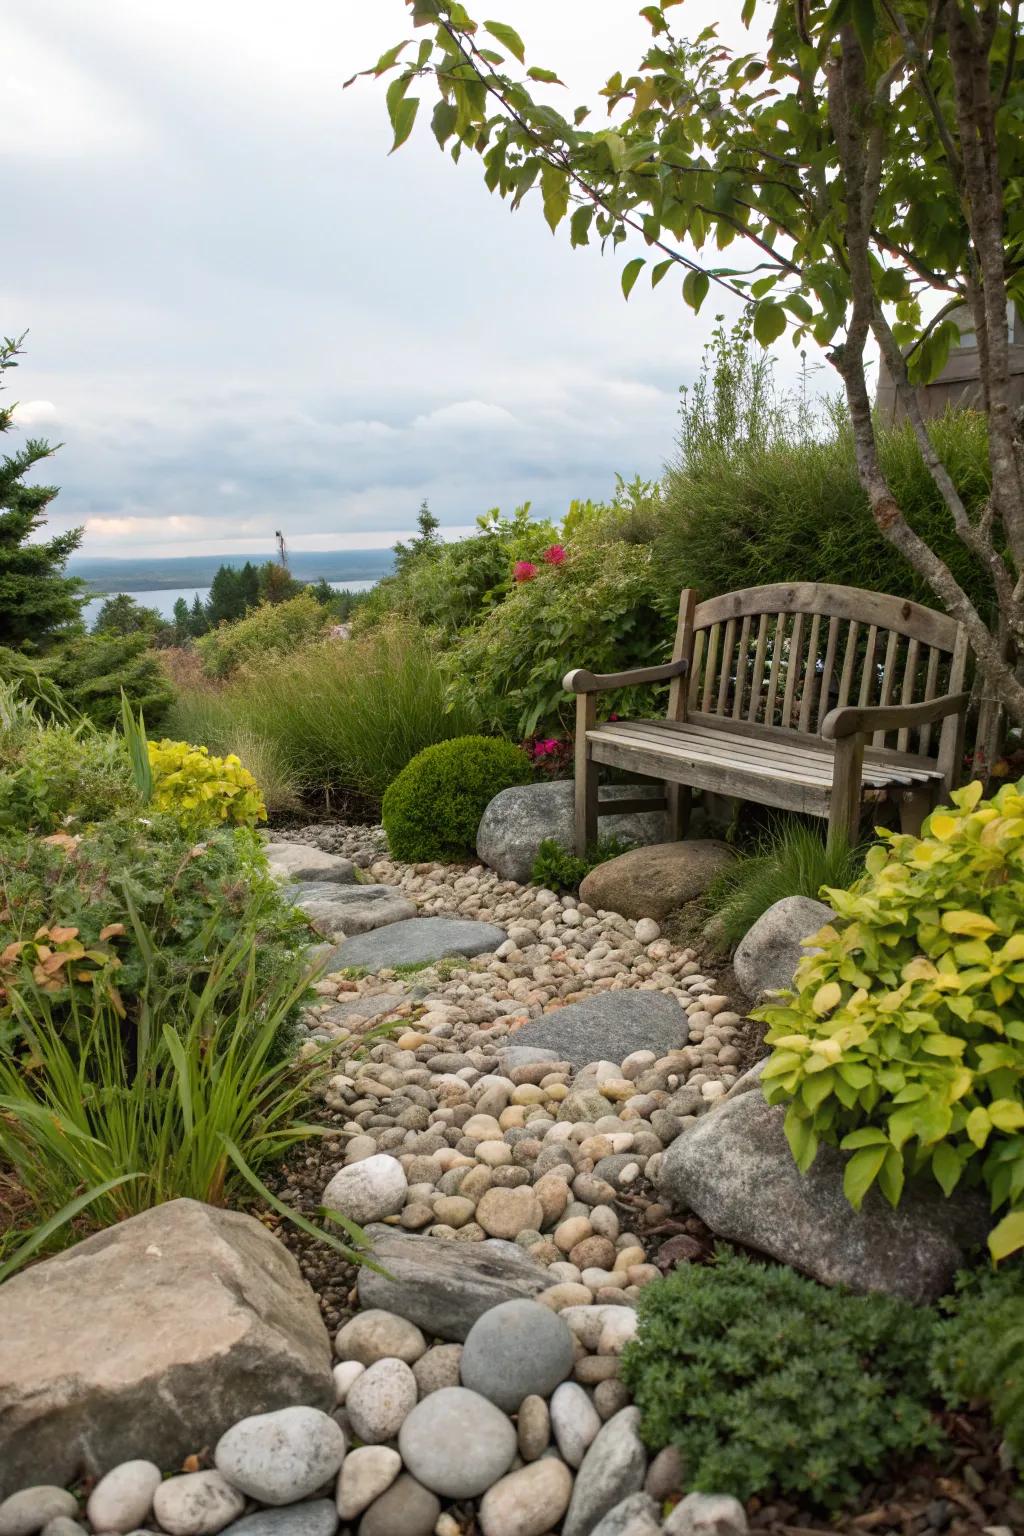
(808, 697)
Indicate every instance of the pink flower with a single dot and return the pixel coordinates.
(524, 570)
(555, 555)
(544, 748)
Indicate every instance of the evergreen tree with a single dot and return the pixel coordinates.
(423, 545)
(249, 577)
(36, 598)
(198, 622)
(277, 583)
(122, 615)
(227, 598)
(322, 591)
(182, 622)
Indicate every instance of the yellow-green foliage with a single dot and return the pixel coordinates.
(271, 630)
(202, 791)
(903, 1041)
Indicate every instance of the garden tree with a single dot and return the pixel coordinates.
(276, 583)
(249, 578)
(423, 544)
(862, 160)
(36, 598)
(198, 623)
(226, 601)
(122, 615)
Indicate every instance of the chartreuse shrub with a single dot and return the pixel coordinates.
(433, 808)
(272, 629)
(979, 1350)
(201, 791)
(903, 1041)
(766, 1381)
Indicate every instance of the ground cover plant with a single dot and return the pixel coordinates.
(903, 1040)
(978, 1355)
(789, 859)
(432, 809)
(558, 869)
(766, 1381)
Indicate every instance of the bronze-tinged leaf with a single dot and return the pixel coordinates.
(63, 935)
(112, 931)
(61, 840)
(42, 933)
(43, 951)
(11, 953)
(53, 963)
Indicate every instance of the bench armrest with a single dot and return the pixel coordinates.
(851, 721)
(582, 681)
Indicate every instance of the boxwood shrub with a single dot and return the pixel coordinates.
(433, 808)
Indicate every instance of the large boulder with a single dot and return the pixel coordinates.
(519, 819)
(654, 881)
(149, 1340)
(444, 1287)
(766, 957)
(735, 1171)
(609, 1026)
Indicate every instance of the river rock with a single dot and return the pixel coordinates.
(300, 861)
(339, 911)
(735, 1171)
(515, 1350)
(281, 1457)
(636, 1515)
(377, 1335)
(654, 881)
(379, 1400)
(608, 1026)
(368, 1190)
(528, 1502)
(507, 1212)
(419, 941)
(613, 1468)
(312, 1517)
(197, 1504)
(707, 1514)
(519, 819)
(365, 1474)
(457, 1443)
(439, 1367)
(31, 1508)
(766, 957)
(151, 1338)
(123, 1498)
(444, 1286)
(404, 1509)
(574, 1419)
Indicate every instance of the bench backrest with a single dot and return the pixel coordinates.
(778, 658)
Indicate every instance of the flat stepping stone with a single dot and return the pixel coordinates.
(360, 1007)
(444, 1286)
(608, 1027)
(339, 911)
(419, 941)
(295, 861)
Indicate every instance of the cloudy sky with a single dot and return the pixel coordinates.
(243, 315)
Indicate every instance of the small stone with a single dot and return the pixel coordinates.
(707, 1514)
(123, 1497)
(344, 1375)
(528, 1502)
(281, 1457)
(368, 1190)
(516, 1350)
(507, 1212)
(62, 1525)
(30, 1509)
(592, 1253)
(635, 1515)
(533, 1427)
(665, 1474)
(405, 1509)
(311, 1517)
(618, 1329)
(454, 1210)
(610, 1397)
(457, 1443)
(575, 1421)
(365, 1474)
(439, 1367)
(380, 1399)
(379, 1335)
(197, 1504)
(572, 1231)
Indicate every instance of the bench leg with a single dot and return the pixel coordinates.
(680, 803)
(915, 805)
(586, 775)
(844, 805)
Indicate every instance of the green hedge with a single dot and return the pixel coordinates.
(433, 808)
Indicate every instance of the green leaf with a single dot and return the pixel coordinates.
(1005, 1238)
(555, 192)
(508, 37)
(544, 76)
(579, 224)
(860, 1173)
(630, 272)
(695, 289)
(443, 121)
(658, 272)
(803, 1141)
(863, 15)
(769, 322)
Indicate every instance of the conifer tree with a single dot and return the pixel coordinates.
(249, 577)
(36, 598)
(198, 622)
(182, 621)
(227, 599)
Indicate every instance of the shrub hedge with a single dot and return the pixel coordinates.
(433, 808)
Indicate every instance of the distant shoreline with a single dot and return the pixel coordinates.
(102, 578)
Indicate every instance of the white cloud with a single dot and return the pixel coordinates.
(466, 415)
(34, 413)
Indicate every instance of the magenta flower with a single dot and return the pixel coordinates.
(524, 570)
(555, 555)
(545, 748)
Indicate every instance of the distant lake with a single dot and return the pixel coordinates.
(164, 599)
